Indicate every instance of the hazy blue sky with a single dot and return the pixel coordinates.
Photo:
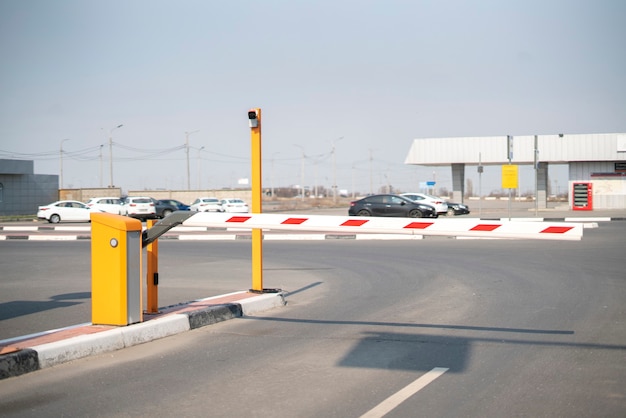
(375, 73)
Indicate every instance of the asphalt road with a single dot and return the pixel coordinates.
(515, 328)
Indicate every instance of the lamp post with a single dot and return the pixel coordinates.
(335, 169)
(61, 161)
(272, 190)
(371, 172)
(199, 169)
(301, 172)
(111, 154)
(187, 150)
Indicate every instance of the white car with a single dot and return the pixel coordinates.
(438, 203)
(106, 204)
(207, 204)
(235, 205)
(139, 207)
(65, 210)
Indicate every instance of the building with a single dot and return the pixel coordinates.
(22, 191)
(597, 160)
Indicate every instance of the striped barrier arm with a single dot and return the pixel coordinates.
(411, 226)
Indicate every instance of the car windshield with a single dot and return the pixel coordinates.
(141, 201)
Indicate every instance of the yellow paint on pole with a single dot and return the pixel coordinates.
(509, 176)
(254, 117)
(152, 265)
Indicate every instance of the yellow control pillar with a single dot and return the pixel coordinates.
(254, 119)
(115, 270)
(152, 274)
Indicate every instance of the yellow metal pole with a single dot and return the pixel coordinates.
(257, 234)
(152, 281)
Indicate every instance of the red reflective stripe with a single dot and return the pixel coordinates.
(239, 219)
(294, 221)
(556, 230)
(354, 222)
(418, 225)
(485, 227)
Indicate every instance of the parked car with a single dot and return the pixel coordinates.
(65, 210)
(391, 205)
(207, 204)
(176, 203)
(106, 204)
(234, 205)
(457, 209)
(163, 209)
(139, 207)
(438, 203)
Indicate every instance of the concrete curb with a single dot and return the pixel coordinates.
(50, 354)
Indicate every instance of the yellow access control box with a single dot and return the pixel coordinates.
(115, 270)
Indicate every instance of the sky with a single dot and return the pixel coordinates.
(362, 78)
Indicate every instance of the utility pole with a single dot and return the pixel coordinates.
(61, 162)
(187, 151)
(101, 146)
(111, 154)
(301, 172)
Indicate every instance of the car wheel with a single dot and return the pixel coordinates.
(363, 212)
(166, 212)
(450, 212)
(414, 213)
(54, 219)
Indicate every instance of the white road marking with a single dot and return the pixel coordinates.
(402, 395)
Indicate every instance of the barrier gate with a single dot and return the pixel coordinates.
(117, 243)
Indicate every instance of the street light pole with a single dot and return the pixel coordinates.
(61, 162)
(272, 189)
(111, 154)
(335, 170)
(187, 149)
(371, 173)
(199, 173)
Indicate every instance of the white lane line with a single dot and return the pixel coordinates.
(402, 395)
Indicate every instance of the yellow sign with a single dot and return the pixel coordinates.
(509, 176)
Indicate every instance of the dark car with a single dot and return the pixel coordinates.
(457, 209)
(390, 205)
(163, 209)
(176, 203)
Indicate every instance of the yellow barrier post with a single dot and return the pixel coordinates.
(152, 275)
(115, 270)
(254, 118)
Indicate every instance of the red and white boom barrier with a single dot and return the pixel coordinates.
(468, 227)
